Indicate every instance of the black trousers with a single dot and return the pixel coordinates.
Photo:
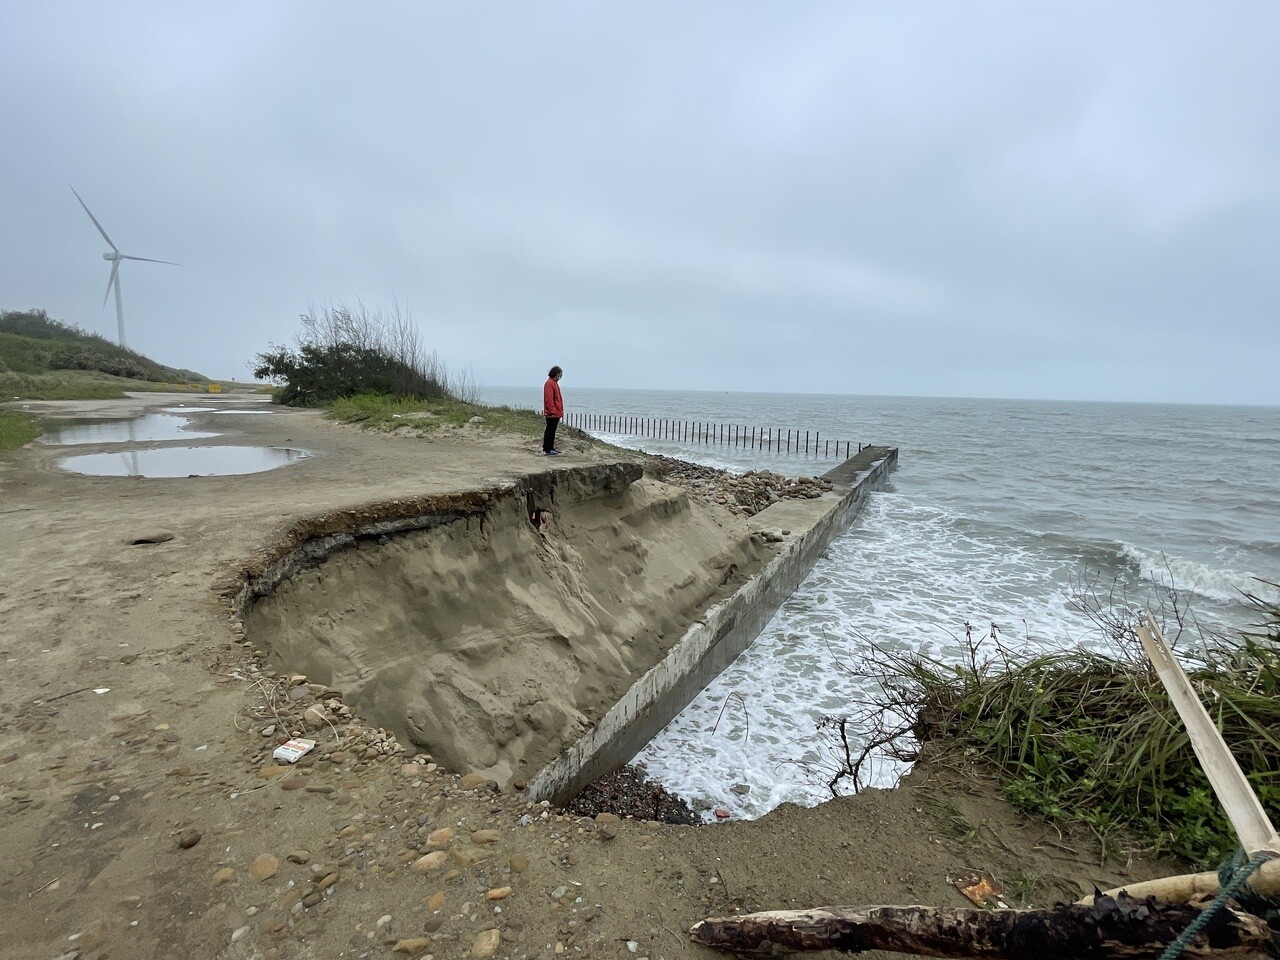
(549, 437)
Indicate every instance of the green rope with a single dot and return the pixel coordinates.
(1239, 876)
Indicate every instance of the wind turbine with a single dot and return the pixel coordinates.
(115, 257)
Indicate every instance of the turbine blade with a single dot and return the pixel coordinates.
(115, 266)
(149, 260)
(95, 221)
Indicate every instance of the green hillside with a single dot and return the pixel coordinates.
(31, 343)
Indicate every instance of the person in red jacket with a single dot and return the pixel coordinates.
(552, 409)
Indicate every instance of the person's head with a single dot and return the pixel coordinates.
(555, 373)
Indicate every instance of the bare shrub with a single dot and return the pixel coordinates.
(344, 351)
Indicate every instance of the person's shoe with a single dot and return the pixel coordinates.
(551, 453)
(555, 451)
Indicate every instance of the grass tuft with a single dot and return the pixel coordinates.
(91, 385)
(383, 412)
(17, 429)
(1086, 738)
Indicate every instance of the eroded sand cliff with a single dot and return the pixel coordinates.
(491, 644)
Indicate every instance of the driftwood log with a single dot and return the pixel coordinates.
(1119, 927)
(1190, 886)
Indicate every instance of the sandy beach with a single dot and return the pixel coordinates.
(142, 815)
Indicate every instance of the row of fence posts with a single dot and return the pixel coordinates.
(697, 431)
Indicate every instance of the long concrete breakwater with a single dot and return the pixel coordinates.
(726, 630)
(549, 658)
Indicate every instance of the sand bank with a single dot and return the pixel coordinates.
(491, 644)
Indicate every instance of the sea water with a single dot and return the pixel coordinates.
(1002, 515)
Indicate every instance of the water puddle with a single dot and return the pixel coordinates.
(145, 429)
(184, 461)
(190, 410)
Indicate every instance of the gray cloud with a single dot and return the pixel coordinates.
(1075, 201)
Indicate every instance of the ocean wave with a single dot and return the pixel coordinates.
(1214, 583)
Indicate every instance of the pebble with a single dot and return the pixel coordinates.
(498, 893)
(384, 919)
(486, 836)
(327, 882)
(436, 902)
(295, 782)
(311, 899)
(411, 945)
(268, 730)
(270, 926)
(441, 837)
(519, 863)
(472, 781)
(486, 943)
(299, 856)
(239, 934)
(222, 876)
(432, 861)
(264, 867)
(189, 838)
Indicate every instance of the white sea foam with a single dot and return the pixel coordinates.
(1214, 583)
(1000, 509)
(904, 579)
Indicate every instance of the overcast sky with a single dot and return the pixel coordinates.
(1066, 200)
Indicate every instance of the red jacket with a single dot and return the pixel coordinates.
(552, 402)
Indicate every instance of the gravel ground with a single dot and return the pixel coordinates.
(629, 793)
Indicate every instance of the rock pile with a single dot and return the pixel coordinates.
(291, 707)
(744, 493)
(629, 793)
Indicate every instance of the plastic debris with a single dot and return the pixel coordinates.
(293, 750)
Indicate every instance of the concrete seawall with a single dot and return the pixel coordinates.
(727, 629)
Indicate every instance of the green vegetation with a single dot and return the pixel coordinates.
(16, 429)
(63, 385)
(1081, 737)
(384, 412)
(344, 353)
(31, 343)
(43, 359)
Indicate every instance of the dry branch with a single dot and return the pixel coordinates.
(1190, 886)
(1109, 928)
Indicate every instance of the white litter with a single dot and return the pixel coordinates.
(293, 750)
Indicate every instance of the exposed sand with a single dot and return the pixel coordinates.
(490, 644)
(98, 789)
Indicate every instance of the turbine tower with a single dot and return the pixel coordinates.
(115, 257)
